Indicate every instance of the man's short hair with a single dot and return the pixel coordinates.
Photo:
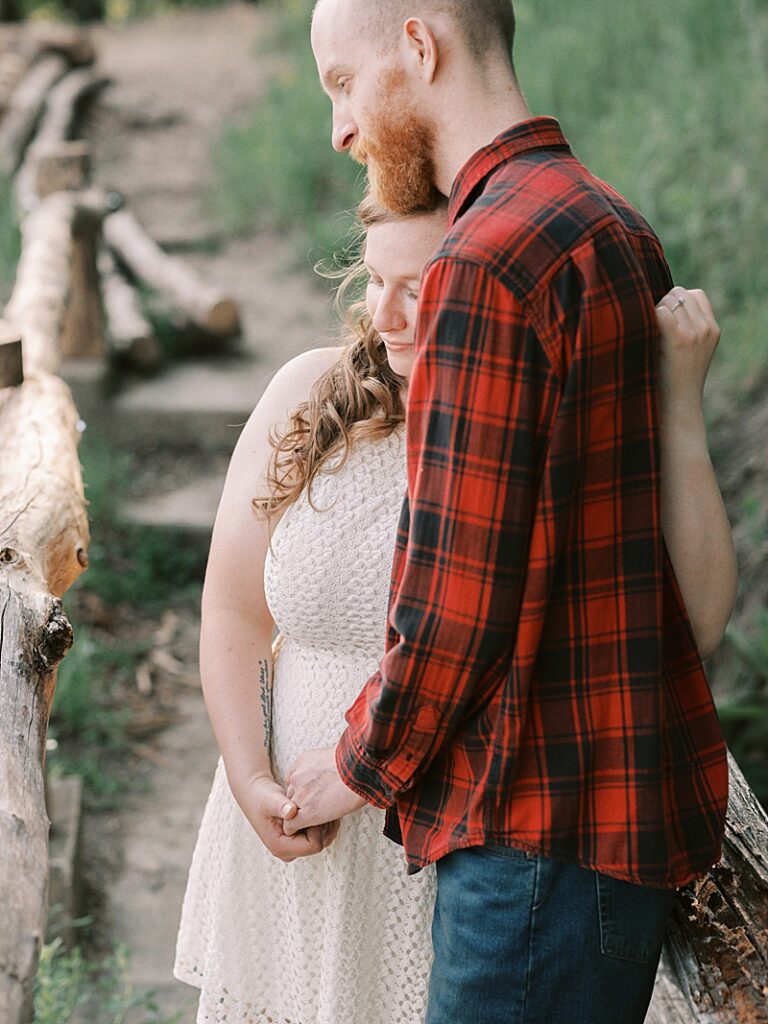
(488, 25)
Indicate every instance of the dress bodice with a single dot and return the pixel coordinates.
(327, 576)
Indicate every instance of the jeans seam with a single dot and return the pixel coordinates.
(531, 916)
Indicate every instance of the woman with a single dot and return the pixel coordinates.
(325, 928)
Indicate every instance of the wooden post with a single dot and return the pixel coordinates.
(82, 335)
(62, 167)
(202, 304)
(43, 548)
(63, 103)
(54, 164)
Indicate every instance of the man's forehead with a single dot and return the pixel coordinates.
(338, 30)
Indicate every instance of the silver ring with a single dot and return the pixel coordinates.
(677, 305)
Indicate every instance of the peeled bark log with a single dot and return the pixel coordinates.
(24, 109)
(716, 957)
(202, 304)
(39, 300)
(43, 544)
(62, 107)
(129, 336)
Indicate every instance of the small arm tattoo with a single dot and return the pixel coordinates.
(265, 689)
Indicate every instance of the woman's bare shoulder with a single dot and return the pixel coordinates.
(288, 388)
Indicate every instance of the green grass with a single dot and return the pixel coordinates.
(275, 167)
(136, 572)
(671, 106)
(133, 565)
(73, 990)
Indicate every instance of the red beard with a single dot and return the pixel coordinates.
(398, 153)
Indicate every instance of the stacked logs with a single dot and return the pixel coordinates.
(47, 78)
(68, 281)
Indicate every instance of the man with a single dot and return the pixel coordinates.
(540, 726)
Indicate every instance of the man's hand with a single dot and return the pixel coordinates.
(315, 786)
(265, 806)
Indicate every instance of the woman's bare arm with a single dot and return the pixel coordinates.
(694, 520)
(236, 627)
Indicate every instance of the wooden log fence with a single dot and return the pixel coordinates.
(715, 966)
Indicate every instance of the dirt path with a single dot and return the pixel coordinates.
(177, 78)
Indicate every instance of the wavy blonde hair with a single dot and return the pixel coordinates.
(359, 397)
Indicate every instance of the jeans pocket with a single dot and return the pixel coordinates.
(633, 919)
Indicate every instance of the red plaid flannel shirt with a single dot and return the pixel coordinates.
(541, 686)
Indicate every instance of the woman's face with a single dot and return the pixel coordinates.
(395, 255)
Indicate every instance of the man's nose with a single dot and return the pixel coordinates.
(343, 134)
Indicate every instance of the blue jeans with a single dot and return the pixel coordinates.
(523, 939)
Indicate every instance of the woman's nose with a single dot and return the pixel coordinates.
(389, 315)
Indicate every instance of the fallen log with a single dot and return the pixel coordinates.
(24, 109)
(62, 107)
(715, 968)
(43, 545)
(129, 335)
(204, 305)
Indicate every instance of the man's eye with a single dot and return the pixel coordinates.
(375, 281)
(412, 295)
(343, 83)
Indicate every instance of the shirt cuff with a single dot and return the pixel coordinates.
(380, 781)
(359, 774)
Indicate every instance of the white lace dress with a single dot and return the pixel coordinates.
(342, 937)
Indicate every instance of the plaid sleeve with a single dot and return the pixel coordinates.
(479, 410)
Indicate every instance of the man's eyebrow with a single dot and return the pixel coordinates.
(331, 73)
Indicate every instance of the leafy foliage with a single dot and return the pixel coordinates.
(73, 990)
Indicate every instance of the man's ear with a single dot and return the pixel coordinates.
(421, 42)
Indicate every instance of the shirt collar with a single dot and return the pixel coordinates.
(534, 133)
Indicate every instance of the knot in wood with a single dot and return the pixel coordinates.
(9, 556)
(55, 638)
(82, 558)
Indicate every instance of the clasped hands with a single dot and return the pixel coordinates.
(304, 819)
